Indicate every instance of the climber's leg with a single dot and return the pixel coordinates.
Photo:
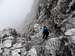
(47, 35)
(43, 36)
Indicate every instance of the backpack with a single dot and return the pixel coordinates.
(45, 30)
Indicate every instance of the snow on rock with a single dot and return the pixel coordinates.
(32, 52)
(10, 38)
(36, 27)
(5, 32)
(53, 44)
(6, 52)
(1, 51)
(7, 43)
(23, 51)
(16, 52)
(70, 32)
(37, 38)
(73, 39)
(17, 45)
(37, 35)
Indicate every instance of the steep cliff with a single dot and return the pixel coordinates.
(56, 14)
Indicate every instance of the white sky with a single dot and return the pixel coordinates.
(13, 12)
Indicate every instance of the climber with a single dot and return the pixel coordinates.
(45, 32)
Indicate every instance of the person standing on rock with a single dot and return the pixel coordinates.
(45, 32)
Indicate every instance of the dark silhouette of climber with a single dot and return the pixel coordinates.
(45, 32)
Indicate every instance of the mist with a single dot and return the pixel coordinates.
(13, 12)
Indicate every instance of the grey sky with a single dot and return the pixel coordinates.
(13, 12)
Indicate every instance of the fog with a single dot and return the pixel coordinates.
(13, 12)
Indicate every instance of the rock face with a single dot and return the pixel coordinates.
(58, 15)
(55, 14)
(52, 45)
